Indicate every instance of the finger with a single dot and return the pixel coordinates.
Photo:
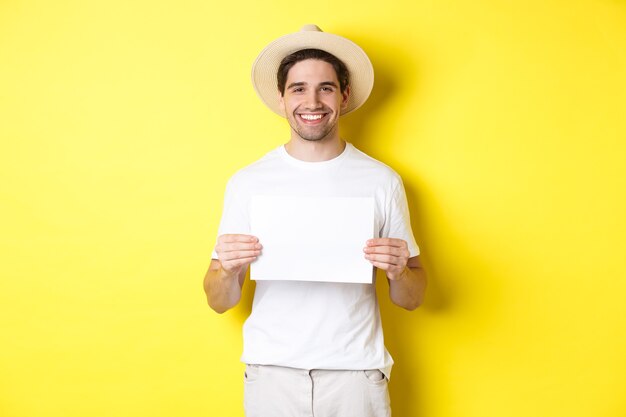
(237, 263)
(237, 238)
(229, 247)
(231, 256)
(388, 250)
(388, 259)
(383, 265)
(387, 241)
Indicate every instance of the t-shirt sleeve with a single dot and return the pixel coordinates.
(235, 214)
(398, 222)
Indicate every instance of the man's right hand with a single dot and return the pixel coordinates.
(224, 279)
(236, 252)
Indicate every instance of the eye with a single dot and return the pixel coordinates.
(327, 89)
(297, 89)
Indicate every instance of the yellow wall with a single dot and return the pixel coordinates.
(120, 122)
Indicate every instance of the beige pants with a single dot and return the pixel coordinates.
(274, 391)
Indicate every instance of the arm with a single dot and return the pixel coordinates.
(408, 289)
(225, 277)
(407, 279)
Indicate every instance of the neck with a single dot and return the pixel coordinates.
(315, 151)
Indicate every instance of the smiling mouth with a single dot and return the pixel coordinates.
(312, 117)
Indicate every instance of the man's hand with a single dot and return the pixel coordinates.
(407, 280)
(388, 254)
(236, 252)
(225, 277)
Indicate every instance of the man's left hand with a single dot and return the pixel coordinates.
(388, 254)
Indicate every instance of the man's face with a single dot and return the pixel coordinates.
(313, 101)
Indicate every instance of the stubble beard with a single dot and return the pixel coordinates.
(312, 136)
(315, 134)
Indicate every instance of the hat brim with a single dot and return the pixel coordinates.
(266, 65)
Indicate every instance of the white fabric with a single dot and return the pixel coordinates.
(276, 391)
(317, 325)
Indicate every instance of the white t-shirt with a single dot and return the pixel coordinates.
(317, 325)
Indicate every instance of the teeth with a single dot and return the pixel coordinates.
(311, 116)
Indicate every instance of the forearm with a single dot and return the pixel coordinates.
(223, 290)
(407, 291)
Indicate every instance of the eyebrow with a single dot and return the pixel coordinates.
(302, 83)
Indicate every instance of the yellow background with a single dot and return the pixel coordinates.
(121, 121)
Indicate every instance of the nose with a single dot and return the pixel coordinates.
(312, 101)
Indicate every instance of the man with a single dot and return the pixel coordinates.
(315, 348)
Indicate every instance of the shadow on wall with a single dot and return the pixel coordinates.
(451, 304)
(356, 126)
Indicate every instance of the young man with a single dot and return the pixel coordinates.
(315, 348)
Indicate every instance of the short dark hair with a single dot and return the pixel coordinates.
(290, 60)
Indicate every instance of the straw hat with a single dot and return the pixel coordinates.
(266, 65)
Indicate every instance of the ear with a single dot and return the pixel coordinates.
(344, 98)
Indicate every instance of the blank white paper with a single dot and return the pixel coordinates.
(312, 238)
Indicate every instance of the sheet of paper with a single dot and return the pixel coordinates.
(312, 239)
